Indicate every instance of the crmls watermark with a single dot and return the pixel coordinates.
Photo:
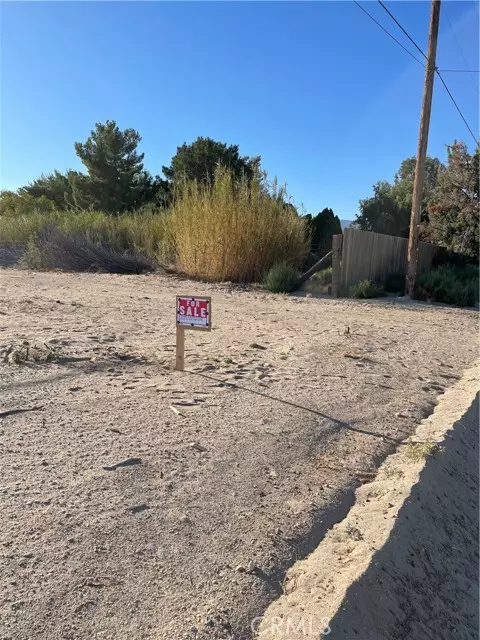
(290, 627)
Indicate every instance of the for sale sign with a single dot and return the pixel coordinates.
(194, 313)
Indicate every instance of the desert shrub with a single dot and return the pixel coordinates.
(138, 233)
(18, 230)
(453, 285)
(234, 229)
(53, 248)
(281, 278)
(323, 277)
(231, 230)
(35, 257)
(366, 289)
(11, 254)
(395, 282)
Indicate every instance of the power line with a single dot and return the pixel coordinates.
(459, 71)
(400, 26)
(388, 33)
(436, 70)
(456, 105)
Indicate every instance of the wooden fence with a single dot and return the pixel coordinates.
(374, 256)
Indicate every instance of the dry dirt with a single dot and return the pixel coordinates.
(282, 414)
(403, 564)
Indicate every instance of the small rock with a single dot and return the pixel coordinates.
(197, 447)
(139, 508)
(240, 568)
(125, 463)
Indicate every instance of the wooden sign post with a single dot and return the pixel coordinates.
(191, 313)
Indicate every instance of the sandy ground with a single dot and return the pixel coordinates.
(404, 562)
(282, 414)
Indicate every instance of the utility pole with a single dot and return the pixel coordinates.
(422, 149)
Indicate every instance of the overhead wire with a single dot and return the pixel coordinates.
(415, 58)
(388, 33)
(456, 105)
(400, 26)
(459, 71)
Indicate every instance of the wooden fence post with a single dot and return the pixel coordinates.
(336, 264)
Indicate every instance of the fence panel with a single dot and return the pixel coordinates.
(374, 256)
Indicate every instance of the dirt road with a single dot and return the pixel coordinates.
(283, 412)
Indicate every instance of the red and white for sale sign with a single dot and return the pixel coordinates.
(194, 313)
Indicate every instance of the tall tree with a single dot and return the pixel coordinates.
(324, 225)
(454, 209)
(388, 210)
(198, 161)
(116, 178)
(381, 212)
(322, 228)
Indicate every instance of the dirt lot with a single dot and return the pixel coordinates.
(282, 414)
(403, 564)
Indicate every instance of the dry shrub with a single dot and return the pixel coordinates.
(234, 230)
(11, 254)
(139, 232)
(54, 249)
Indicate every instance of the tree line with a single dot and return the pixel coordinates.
(450, 203)
(115, 181)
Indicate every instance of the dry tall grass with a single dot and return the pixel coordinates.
(144, 233)
(234, 231)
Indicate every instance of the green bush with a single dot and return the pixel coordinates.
(395, 283)
(323, 277)
(366, 289)
(452, 285)
(282, 278)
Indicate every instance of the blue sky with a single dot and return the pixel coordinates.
(316, 88)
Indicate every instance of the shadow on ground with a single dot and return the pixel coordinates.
(423, 583)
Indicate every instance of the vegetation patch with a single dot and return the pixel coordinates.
(26, 352)
(421, 450)
(282, 278)
(453, 285)
(233, 230)
(366, 289)
(53, 248)
(323, 277)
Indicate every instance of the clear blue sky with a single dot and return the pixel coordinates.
(316, 88)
